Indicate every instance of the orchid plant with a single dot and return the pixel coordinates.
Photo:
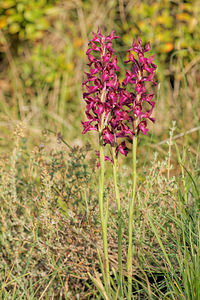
(117, 112)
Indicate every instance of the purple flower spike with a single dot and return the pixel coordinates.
(101, 79)
(111, 110)
(142, 70)
(105, 98)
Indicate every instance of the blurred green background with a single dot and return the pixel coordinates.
(42, 54)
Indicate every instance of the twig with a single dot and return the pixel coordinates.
(190, 65)
(122, 12)
(179, 135)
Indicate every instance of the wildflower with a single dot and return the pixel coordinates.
(143, 70)
(111, 109)
(105, 98)
(116, 113)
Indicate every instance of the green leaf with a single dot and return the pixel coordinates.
(14, 28)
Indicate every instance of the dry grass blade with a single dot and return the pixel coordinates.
(7, 278)
(98, 283)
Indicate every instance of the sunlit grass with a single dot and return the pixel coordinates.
(50, 229)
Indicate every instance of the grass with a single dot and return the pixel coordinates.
(50, 228)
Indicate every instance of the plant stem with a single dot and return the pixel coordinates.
(117, 197)
(130, 221)
(103, 218)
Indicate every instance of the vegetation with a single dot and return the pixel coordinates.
(50, 227)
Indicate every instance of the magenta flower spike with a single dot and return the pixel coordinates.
(110, 109)
(142, 70)
(105, 98)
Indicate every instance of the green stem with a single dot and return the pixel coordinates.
(103, 219)
(130, 222)
(103, 216)
(117, 196)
